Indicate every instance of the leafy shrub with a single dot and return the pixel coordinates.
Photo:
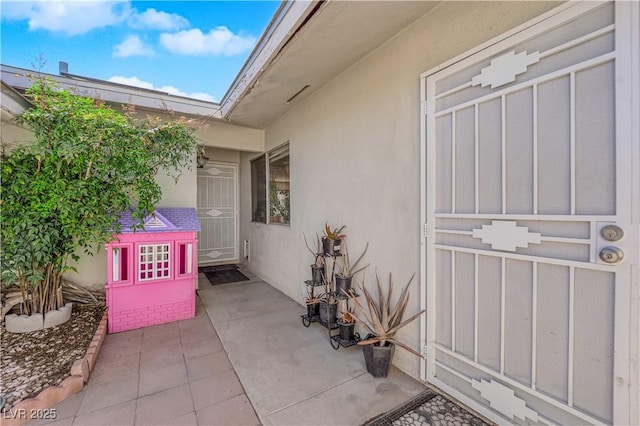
(64, 193)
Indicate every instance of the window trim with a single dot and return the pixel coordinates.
(266, 156)
(266, 193)
(154, 267)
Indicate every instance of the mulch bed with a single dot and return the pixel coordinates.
(31, 362)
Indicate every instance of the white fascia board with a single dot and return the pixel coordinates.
(116, 93)
(283, 25)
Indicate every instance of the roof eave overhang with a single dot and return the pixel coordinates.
(290, 17)
(115, 93)
(300, 55)
(13, 103)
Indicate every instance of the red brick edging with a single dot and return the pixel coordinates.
(36, 407)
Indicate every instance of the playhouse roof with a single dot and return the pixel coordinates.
(164, 219)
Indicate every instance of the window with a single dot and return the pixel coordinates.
(120, 261)
(153, 262)
(270, 186)
(279, 209)
(185, 259)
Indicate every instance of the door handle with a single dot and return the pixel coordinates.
(611, 255)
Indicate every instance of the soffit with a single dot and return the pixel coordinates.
(337, 36)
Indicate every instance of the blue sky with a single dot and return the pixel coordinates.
(189, 48)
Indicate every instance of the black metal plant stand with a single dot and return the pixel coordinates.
(334, 339)
(337, 341)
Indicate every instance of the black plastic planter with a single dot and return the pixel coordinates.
(343, 283)
(378, 358)
(331, 247)
(346, 331)
(312, 310)
(328, 312)
(317, 274)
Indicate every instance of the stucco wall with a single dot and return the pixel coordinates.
(355, 155)
(11, 134)
(222, 135)
(222, 155)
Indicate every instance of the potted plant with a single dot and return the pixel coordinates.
(317, 268)
(348, 270)
(346, 326)
(279, 204)
(382, 321)
(312, 301)
(329, 304)
(274, 204)
(332, 240)
(328, 309)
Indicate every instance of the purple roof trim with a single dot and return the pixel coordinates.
(176, 219)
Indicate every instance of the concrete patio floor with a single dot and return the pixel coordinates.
(256, 364)
(290, 373)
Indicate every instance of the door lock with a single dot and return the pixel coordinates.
(611, 255)
(612, 233)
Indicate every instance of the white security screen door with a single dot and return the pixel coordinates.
(532, 222)
(218, 213)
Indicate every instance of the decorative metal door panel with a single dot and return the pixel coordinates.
(528, 295)
(217, 211)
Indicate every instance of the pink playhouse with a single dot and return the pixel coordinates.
(152, 272)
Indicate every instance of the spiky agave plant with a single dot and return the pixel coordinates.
(333, 234)
(381, 319)
(347, 316)
(317, 255)
(349, 269)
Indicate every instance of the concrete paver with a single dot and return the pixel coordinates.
(108, 370)
(234, 411)
(160, 357)
(196, 348)
(215, 389)
(103, 395)
(207, 365)
(121, 414)
(158, 341)
(163, 406)
(167, 377)
(188, 419)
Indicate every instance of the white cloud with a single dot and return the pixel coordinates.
(132, 46)
(218, 41)
(68, 17)
(135, 81)
(158, 20)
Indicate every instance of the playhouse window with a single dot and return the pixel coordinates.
(185, 259)
(120, 264)
(154, 262)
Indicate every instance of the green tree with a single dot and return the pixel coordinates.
(64, 193)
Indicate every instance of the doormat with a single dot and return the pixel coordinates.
(427, 408)
(223, 274)
(229, 267)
